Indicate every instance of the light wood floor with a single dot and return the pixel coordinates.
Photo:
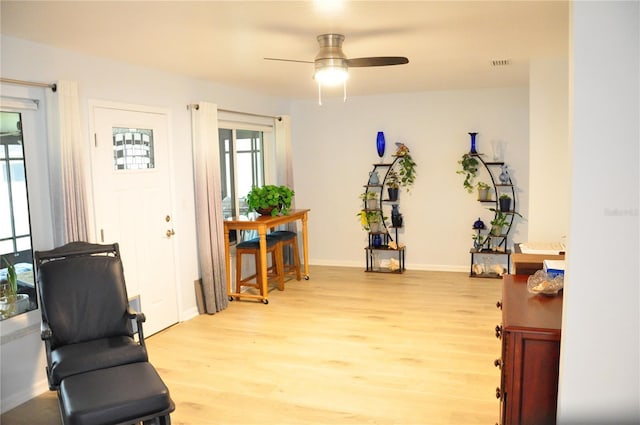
(346, 347)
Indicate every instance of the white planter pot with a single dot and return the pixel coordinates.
(11, 308)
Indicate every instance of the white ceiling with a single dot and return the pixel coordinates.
(450, 44)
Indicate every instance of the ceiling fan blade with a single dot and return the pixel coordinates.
(377, 61)
(286, 60)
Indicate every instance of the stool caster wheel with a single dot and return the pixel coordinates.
(306, 277)
(231, 298)
(265, 301)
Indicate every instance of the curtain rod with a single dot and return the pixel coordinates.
(196, 107)
(52, 86)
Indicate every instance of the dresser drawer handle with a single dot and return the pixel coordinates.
(497, 363)
(499, 305)
(498, 393)
(498, 331)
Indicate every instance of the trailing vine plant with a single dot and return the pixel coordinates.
(469, 170)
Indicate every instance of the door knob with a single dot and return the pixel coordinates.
(170, 233)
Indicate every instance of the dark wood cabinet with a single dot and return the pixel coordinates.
(530, 334)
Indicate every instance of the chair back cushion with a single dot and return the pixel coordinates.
(84, 298)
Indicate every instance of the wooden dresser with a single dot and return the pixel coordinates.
(530, 334)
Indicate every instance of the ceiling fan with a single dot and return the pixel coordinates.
(331, 64)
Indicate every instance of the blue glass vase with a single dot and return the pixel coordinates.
(380, 144)
(473, 142)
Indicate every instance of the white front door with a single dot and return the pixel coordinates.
(132, 201)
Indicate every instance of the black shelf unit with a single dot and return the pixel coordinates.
(495, 244)
(371, 251)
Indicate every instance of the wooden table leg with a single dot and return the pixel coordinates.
(264, 283)
(227, 259)
(305, 251)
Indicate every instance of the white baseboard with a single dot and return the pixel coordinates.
(17, 398)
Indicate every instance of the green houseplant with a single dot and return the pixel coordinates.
(406, 167)
(371, 220)
(469, 169)
(370, 199)
(9, 294)
(393, 184)
(505, 202)
(483, 191)
(270, 199)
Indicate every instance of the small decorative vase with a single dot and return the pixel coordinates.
(374, 178)
(380, 144)
(377, 241)
(396, 217)
(504, 175)
(478, 224)
(477, 245)
(473, 142)
(505, 204)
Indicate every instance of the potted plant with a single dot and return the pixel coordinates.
(505, 202)
(371, 221)
(370, 199)
(478, 241)
(393, 184)
(270, 199)
(500, 220)
(10, 301)
(469, 169)
(406, 167)
(498, 223)
(483, 191)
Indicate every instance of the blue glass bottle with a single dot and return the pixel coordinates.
(473, 142)
(380, 144)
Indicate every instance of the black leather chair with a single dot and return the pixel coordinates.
(94, 360)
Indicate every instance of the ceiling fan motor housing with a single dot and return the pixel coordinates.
(330, 53)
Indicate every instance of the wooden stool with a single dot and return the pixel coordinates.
(290, 239)
(252, 247)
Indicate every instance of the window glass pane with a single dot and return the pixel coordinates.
(15, 238)
(132, 149)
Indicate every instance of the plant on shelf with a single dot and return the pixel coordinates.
(483, 191)
(371, 220)
(469, 170)
(393, 184)
(370, 199)
(478, 240)
(505, 202)
(270, 199)
(9, 294)
(406, 167)
(499, 221)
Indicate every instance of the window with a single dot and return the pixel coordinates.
(241, 168)
(132, 148)
(15, 229)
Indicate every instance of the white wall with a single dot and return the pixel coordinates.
(549, 150)
(600, 348)
(334, 149)
(107, 80)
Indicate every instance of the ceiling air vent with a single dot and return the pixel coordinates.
(501, 62)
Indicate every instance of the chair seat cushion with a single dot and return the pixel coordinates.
(114, 395)
(283, 235)
(255, 243)
(78, 358)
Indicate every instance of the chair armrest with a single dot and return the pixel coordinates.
(45, 331)
(139, 317)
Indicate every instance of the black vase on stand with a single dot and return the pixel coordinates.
(396, 217)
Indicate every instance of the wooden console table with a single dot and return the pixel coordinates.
(530, 334)
(261, 224)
